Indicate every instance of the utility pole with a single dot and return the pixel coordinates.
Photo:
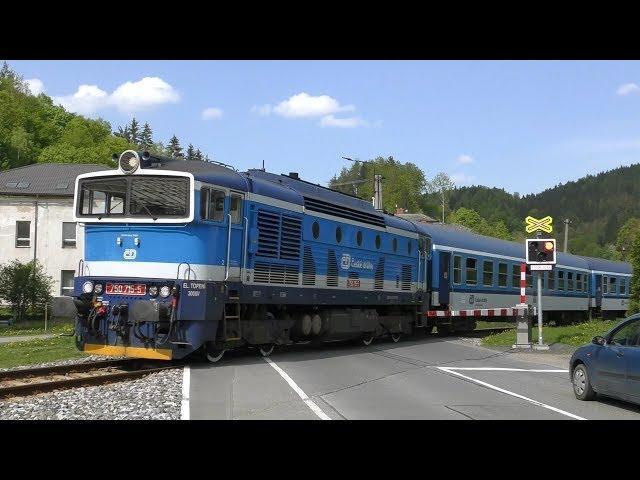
(377, 184)
(566, 234)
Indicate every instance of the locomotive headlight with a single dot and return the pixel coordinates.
(153, 291)
(165, 291)
(87, 287)
(98, 288)
(129, 161)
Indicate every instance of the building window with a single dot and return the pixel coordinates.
(472, 271)
(570, 281)
(560, 280)
(68, 234)
(236, 208)
(66, 283)
(515, 275)
(551, 280)
(23, 234)
(457, 269)
(487, 273)
(502, 274)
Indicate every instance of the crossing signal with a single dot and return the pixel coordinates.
(541, 251)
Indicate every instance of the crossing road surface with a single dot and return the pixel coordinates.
(418, 378)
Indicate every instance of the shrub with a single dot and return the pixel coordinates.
(25, 287)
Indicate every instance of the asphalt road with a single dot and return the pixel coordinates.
(418, 378)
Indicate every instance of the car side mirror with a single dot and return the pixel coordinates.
(598, 340)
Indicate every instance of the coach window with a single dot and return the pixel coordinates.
(315, 229)
(578, 282)
(605, 284)
(585, 284)
(378, 242)
(457, 269)
(515, 275)
(623, 286)
(338, 234)
(395, 244)
(472, 271)
(359, 238)
(502, 274)
(487, 273)
(529, 279)
(613, 288)
(560, 280)
(551, 280)
(236, 208)
(570, 281)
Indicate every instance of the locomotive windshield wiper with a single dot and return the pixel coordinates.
(149, 212)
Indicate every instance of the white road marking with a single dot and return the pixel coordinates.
(499, 369)
(305, 398)
(186, 381)
(502, 390)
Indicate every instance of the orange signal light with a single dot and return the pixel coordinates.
(548, 246)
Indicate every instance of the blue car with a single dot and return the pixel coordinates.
(610, 364)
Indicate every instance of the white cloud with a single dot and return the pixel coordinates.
(628, 88)
(350, 122)
(305, 105)
(464, 159)
(462, 178)
(145, 93)
(211, 113)
(87, 100)
(129, 97)
(262, 110)
(36, 87)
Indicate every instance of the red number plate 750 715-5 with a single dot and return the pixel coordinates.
(126, 289)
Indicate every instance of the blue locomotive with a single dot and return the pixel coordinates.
(187, 256)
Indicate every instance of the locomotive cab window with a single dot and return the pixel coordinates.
(212, 204)
(235, 208)
(472, 271)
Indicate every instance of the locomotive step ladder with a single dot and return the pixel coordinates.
(231, 327)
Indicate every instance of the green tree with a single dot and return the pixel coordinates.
(198, 155)
(626, 235)
(403, 184)
(134, 132)
(190, 153)
(173, 148)
(146, 137)
(634, 256)
(441, 185)
(469, 218)
(25, 287)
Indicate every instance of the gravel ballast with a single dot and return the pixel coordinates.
(154, 397)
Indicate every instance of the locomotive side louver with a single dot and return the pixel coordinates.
(279, 235)
(321, 206)
(332, 269)
(378, 283)
(308, 267)
(275, 274)
(406, 277)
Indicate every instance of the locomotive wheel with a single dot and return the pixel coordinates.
(395, 337)
(214, 355)
(266, 349)
(368, 339)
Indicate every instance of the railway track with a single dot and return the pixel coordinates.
(14, 383)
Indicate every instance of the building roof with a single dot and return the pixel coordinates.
(55, 179)
(416, 217)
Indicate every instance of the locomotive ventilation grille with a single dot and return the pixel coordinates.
(279, 235)
(332, 269)
(406, 277)
(321, 206)
(378, 283)
(272, 273)
(308, 267)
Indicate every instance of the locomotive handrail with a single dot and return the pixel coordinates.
(81, 267)
(243, 270)
(226, 267)
(188, 271)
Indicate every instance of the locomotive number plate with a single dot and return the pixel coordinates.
(353, 283)
(126, 289)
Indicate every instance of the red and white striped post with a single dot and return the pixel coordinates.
(523, 284)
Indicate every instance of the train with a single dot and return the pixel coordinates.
(196, 258)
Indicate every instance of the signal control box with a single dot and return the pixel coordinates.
(541, 253)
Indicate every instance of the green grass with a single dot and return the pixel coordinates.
(574, 335)
(35, 328)
(480, 324)
(37, 351)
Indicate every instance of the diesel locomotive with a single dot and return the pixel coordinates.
(189, 256)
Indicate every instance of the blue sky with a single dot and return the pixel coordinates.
(520, 125)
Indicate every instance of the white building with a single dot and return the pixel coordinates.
(36, 219)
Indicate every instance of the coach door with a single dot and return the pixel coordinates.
(598, 287)
(236, 238)
(445, 281)
(423, 259)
